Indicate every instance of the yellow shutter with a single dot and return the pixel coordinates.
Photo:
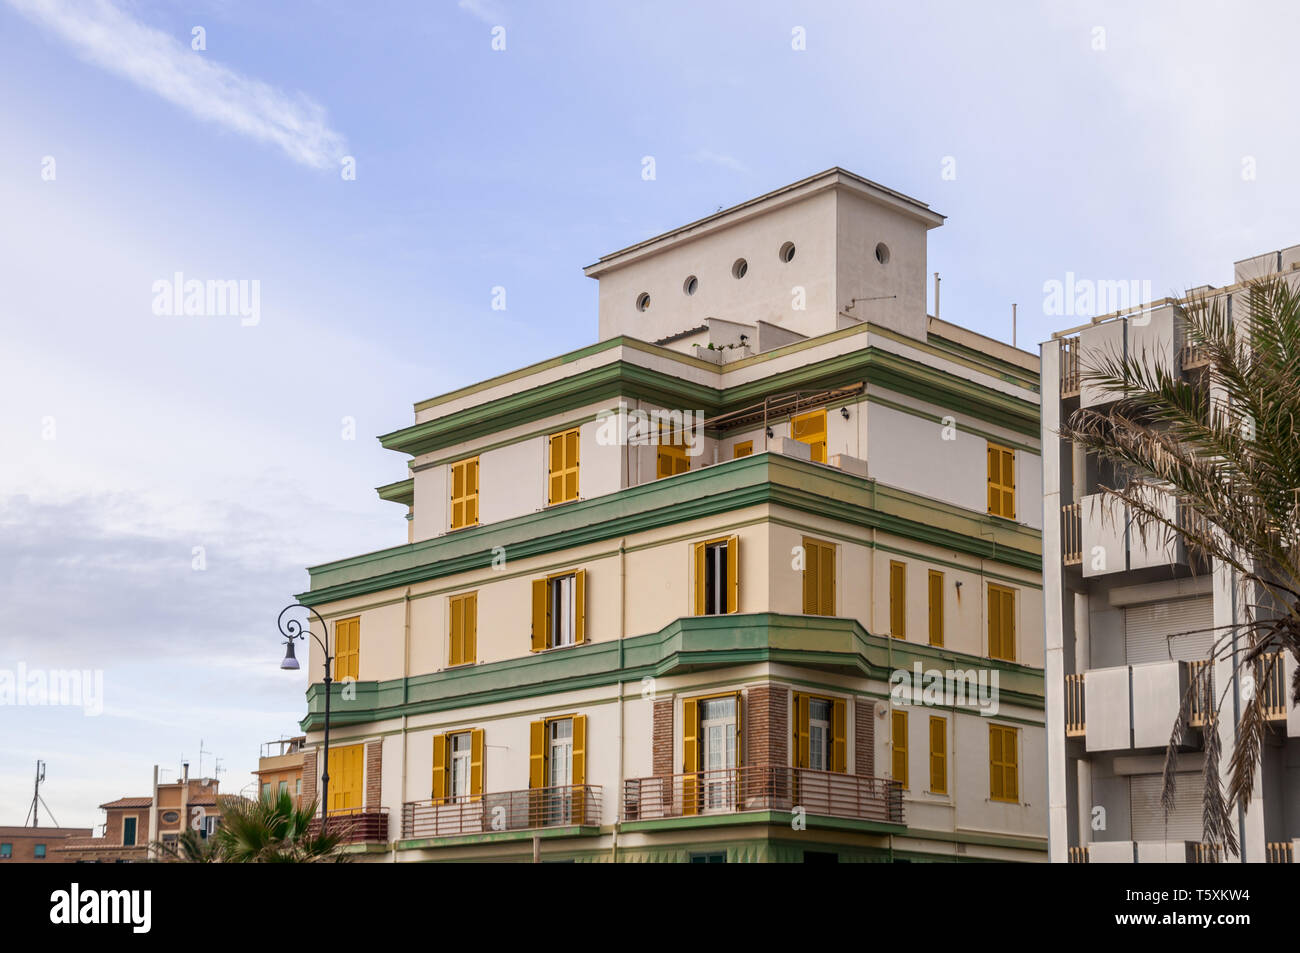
(555, 470)
(839, 736)
(537, 754)
(699, 578)
(810, 428)
(1002, 481)
(1002, 622)
(476, 764)
(469, 642)
(740, 732)
(936, 608)
(464, 493)
(580, 606)
(439, 767)
(1004, 767)
(579, 750)
(811, 585)
(347, 775)
(994, 475)
(471, 486)
(826, 580)
(690, 755)
(742, 449)
(541, 614)
(898, 738)
(562, 467)
(733, 573)
(456, 631)
(347, 648)
(938, 756)
(801, 759)
(897, 600)
(571, 465)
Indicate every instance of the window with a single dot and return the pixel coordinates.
(786, 254)
(284, 789)
(897, 599)
(297, 787)
(739, 267)
(128, 831)
(643, 301)
(820, 738)
(38, 852)
(557, 770)
(936, 607)
(462, 630)
(1004, 763)
(1002, 481)
(347, 770)
(691, 285)
(882, 253)
(712, 857)
(562, 475)
(1002, 623)
(818, 577)
(559, 610)
(743, 449)
(717, 576)
(938, 756)
(671, 458)
(810, 428)
(6, 851)
(347, 648)
(266, 790)
(898, 742)
(711, 753)
(464, 493)
(458, 766)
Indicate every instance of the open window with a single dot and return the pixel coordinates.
(717, 576)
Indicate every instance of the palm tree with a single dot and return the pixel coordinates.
(276, 831)
(1228, 448)
(188, 848)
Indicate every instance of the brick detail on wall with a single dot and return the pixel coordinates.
(767, 721)
(663, 737)
(864, 737)
(309, 776)
(374, 771)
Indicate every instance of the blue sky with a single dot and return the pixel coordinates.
(1088, 138)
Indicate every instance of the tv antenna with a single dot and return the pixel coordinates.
(34, 814)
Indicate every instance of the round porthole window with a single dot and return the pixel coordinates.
(690, 285)
(739, 268)
(170, 817)
(882, 253)
(786, 253)
(643, 302)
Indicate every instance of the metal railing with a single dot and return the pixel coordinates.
(1071, 534)
(357, 825)
(576, 805)
(1280, 852)
(763, 787)
(1070, 367)
(1200, 675)
(1075, 712)
(1206, 854)
(1272, 685)
(1193, 356)
(1078, 855)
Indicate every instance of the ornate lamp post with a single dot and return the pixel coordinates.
(292, 630)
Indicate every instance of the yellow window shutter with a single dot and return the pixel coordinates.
(897, 600)
(800, 730)
(898, 737)
(541, 614)
(733, 573)
(476, 763)
(469, 643)
(455, 631)
(537, 754)
(471, 485)
(690, 755)
(579, 750)
(811, 584)
(826, 580)
(995, 492)
(995, 763)
(439, 767)
(936, 607)
(1009, 624)
(571, 465)
(1009, 484)
(740, 730)
(938, 756)
(839, 736)
(699, 578)
(580, 606)
(555, 470)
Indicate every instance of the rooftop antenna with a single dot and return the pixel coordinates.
(202, 752)
(34, 814)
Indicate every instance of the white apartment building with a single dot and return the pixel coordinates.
(1128, 621)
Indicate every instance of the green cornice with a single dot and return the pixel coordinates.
(623, 379)
(763, 478)
(403, 491)
(689, 644)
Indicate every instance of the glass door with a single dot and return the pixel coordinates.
(718, 733)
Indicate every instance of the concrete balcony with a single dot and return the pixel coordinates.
(1129, 706)
(1152, 335)
(1152, 852)
(1109, 544)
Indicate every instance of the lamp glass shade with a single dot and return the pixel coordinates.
(290, 661)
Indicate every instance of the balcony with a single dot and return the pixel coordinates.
(1150, 852)
(1070, 367)
(1272, 681)
(1193, 357)
(359, 825)
(1071, 535)
(531, 809)
(1280, 852)
(1076, 723)
(763, 788)
(1135, 706)
(1078, 855)
(1200, 674)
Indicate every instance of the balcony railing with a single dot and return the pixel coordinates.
(357, 825)
(1071, 534)
(531, 809)
(1075, 712)
(1078, 855)
(1272, 685)
(1279, 852)
(1194, 356)
(1200, 676)
(1070, 367)
(1206, 854)
(763, 788)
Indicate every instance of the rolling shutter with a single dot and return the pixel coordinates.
(1148, 817)
(1147, 626)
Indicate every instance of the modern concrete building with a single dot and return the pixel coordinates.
(663, 597)
(1129, 622)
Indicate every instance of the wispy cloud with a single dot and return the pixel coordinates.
(719, 159)
(485, 10)
(108, 37)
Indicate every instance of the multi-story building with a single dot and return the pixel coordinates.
(21, 845)
(1130, 621)
(279, 768)
(660, 594)
(133, 824)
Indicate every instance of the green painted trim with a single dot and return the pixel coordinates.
(494, 837)
(763, 478)
(692, 643)
(403, 491)
(770, 818)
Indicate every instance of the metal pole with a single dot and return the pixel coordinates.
(325, 775)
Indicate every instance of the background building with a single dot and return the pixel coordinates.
(1128, 621)
(279, 768)
(655, 590)
(36, 844)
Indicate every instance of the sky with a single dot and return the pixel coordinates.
(368, 176)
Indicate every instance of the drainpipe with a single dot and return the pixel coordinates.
(622, 633)
(406, 690)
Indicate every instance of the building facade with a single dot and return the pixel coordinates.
(1130, 622)
(22, 845)
(756, 576)
(279, 768)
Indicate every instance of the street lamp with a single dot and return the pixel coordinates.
(292, 630)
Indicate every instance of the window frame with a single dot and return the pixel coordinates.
(1006, 458)
(1005, 594)
(796, 420)
(467, 637)
(729, 595)
(939, 757)
(467, 501)
(135, 830)
(1003, 764)
(347, 664)
(826, 554)
(744, 448)
(568, 467)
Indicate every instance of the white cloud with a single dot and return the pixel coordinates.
(485, 10)
(160, 63)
